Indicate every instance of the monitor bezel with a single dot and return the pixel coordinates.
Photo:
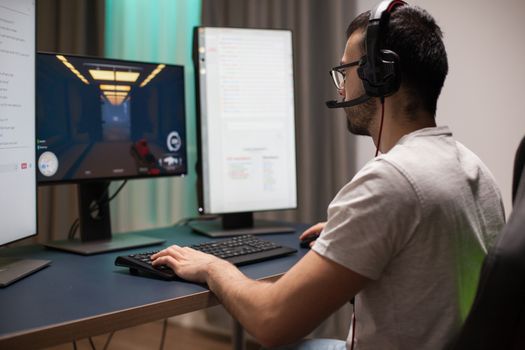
(115, 178)
(198, 166)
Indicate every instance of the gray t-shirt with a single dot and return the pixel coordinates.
(418, 221)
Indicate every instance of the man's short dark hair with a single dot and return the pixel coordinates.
(414, 35)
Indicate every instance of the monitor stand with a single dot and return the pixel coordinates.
(95, 226)
(13, 269)
(238, 224)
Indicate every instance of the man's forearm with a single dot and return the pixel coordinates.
(275, 313)
(246, 300)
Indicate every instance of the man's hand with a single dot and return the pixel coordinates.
(186, 262)
(314, 230)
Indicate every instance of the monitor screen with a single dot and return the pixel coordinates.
(17, 120)
(108, 119)
(246, 119)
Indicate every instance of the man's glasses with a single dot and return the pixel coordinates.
(338, 74)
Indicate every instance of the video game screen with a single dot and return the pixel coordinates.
(108, 119)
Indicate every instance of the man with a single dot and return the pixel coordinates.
(406, 236)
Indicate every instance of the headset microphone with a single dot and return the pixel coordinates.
(351, 103)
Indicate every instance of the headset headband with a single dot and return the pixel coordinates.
(385, 7)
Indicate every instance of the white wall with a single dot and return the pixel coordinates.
(482, 100)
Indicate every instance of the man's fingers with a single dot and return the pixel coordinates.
(165, 260)
(315, 229)
(172, 250)
(159, 254)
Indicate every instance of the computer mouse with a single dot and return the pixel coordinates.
(305, 243)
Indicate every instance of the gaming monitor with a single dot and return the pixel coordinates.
(246, 127)
(18, 203)
(100, 120)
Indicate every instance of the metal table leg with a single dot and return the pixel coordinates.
(238, 336)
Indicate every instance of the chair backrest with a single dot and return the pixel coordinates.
(519, 163)
(497, 317)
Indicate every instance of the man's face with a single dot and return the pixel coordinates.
(359, 118)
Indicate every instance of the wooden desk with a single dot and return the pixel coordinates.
(80, 296)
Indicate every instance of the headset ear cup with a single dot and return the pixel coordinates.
(361, 73)
(365, 73)
(391, 72)
(387, 79)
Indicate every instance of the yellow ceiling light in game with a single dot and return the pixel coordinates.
(101, 74)
(115, 93)
(152, 74)
(128, 77)
(107, 87)
(116, 100)
(72, 69)
(114, 75)
(115, 97)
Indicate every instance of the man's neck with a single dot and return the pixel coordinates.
(397, 124)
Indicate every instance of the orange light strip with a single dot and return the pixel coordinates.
(72, 69)
(152, 75)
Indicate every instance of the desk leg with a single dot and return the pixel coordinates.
(238, 336)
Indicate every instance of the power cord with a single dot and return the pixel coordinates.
(94, 206)
(381, 125)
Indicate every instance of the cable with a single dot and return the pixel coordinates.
(381, 125)
(94, 207)
(73, 229)
(164, 329)
(116, 192)
(97, 204)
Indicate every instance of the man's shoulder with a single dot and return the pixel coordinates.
(378, 176)
(427, 153)
(424, 156)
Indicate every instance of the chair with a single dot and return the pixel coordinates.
(519, 162)
(497, 317)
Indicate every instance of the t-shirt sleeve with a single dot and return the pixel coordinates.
(370, 220)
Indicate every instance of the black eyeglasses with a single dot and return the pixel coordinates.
(338, 74)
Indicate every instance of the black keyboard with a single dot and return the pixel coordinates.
(239, 250)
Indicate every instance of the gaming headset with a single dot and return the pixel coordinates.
(379, 69)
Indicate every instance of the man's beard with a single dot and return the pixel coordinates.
(359, 118)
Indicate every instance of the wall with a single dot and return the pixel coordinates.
(155, 31)
(481, 97)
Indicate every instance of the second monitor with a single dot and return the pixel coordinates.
(246, 127)
(100, 120)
